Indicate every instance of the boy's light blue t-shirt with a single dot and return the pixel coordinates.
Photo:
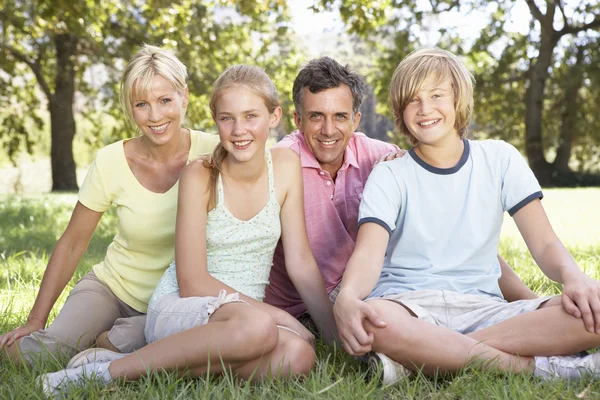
(444, 224)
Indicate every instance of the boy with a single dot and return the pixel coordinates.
(425, 256)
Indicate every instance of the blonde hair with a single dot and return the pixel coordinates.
(256, 80)
(140, 70)
(437, 65)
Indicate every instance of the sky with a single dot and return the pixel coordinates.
(310, 26)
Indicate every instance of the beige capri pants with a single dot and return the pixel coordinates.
(90, 309)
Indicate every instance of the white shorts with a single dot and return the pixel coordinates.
(463, 313)
(172, 314)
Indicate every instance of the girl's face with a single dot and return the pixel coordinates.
(159, 112)
(243, 121)
(430, 115)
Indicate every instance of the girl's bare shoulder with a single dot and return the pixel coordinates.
(285, 158)
(196, 171)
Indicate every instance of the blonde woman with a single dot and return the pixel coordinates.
(139, 177)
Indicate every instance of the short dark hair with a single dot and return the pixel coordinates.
(326, 73)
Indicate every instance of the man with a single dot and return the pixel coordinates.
(336, 162)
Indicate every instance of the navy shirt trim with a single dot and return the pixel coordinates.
(377, 221)
(443, 171)
(524, 202)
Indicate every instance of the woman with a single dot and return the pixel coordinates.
(140, 177)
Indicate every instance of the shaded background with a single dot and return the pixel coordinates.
(537, 65)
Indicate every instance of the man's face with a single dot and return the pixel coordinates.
(327, 124)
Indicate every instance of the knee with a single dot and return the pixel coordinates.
(258, 333)
(400, 332)
(552, 302)
(299, 358)
(13, 354)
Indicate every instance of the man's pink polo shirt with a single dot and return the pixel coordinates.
(331, 213)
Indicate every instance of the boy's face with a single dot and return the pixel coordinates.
(430, 115)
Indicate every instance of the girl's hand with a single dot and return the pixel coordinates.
(581, 298)
(9, 338)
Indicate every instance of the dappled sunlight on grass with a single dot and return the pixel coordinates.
(32, 224)
(575, 217)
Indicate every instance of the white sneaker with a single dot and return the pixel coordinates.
(392, 372)
(568, 367)
(54, 383)
(94, 355)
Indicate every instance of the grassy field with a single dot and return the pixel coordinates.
(30, 226)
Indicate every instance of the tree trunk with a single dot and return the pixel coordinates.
(569, 115)
(62, 120)
(534, 109)
(368, 121)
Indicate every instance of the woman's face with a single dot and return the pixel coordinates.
(159, 112)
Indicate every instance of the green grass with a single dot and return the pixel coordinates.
(30, 226)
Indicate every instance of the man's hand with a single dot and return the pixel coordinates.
(9, 338)
(391, 156)
(350, 312)
(581, 298)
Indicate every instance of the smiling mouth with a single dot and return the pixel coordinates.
(159, 128)
(328, 142)
(242, 143)
(428, 123)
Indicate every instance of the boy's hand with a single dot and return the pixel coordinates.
(350, 312)
(581, 298)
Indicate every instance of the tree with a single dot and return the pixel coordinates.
(538, 73)
(559, 31)
(55, 41)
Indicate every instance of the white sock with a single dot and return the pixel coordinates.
(542, 367)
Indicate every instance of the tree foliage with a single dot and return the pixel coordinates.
(49, 46)
(534, 89)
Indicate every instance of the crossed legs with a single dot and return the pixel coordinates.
(509, 345)
(237, 337)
